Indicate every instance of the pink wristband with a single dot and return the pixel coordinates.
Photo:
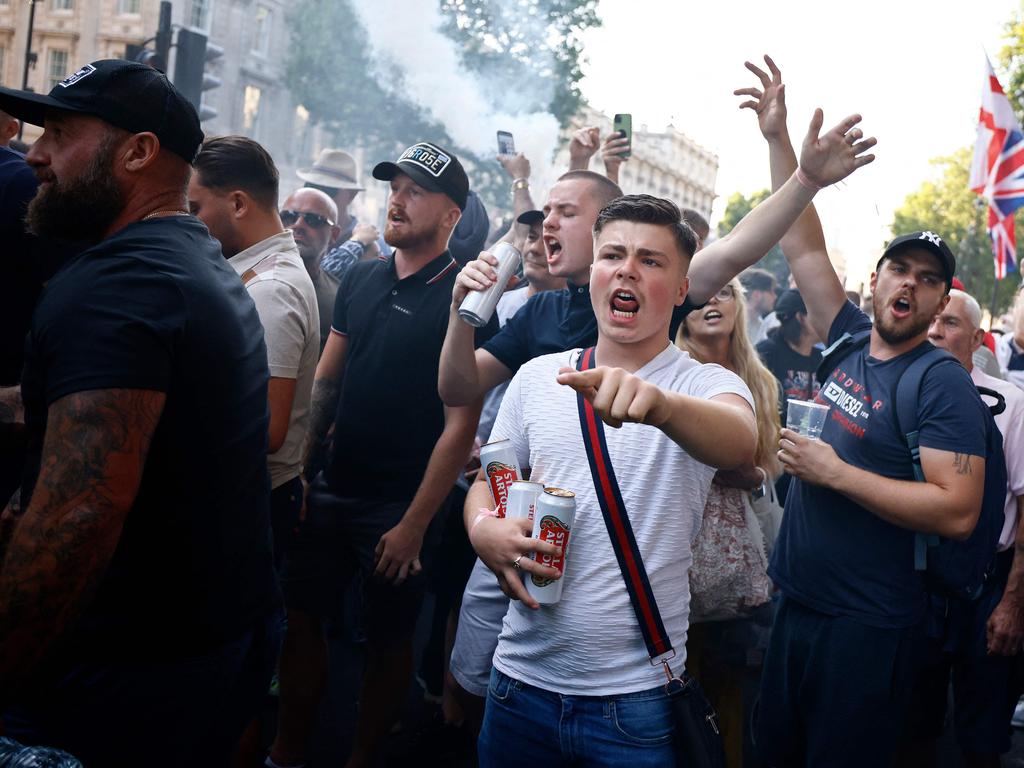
(805, 180)
(484, 512)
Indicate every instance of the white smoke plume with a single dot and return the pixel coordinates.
(405, 34)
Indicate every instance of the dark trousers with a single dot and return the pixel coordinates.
(834, 692)
(153, 713)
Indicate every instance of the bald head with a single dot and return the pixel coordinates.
(8, 128)
(315, 235)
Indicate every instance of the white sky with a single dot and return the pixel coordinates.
(913, 69)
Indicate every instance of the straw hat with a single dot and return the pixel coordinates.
(334, 168)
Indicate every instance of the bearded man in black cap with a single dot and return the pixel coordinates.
(139, 615)
(397, 453)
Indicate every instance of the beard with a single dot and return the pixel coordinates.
(79, 209)
(410, 238)
(893, 334)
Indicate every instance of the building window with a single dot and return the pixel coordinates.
(56, 67)
(128, 7)
(251, 110)
(62, 5)
(200, 13)
(261, 31)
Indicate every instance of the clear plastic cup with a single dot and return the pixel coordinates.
(806, 418)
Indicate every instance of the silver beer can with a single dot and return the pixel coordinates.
(501, 468)
(478, 306)
(552, 522)
(522, 499)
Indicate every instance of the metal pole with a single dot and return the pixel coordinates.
(29, 56)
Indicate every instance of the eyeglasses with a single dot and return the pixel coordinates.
(314, 220)
(726, 294)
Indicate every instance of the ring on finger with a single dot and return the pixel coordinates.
(515, 563)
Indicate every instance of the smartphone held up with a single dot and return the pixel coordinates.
(506, 145)
(623, 125)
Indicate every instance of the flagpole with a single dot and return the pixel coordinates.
(992, 304)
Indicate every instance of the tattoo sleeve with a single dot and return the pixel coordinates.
(322, 408)
(10, 405)
(962, 463)
(92, 459)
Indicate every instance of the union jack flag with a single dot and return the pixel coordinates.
(997, 171)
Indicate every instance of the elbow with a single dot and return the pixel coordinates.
(742, 451)
(962, 525)
(276, 438)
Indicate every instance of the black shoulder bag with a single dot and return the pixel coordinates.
(698, 743)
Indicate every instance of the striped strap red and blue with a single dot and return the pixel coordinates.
(619, 529)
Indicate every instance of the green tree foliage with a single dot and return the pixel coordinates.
(520, 42)
(736, 208)
(527, 51)
(947, 207)
(1011, 60)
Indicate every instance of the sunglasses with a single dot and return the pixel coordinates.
(314, 220)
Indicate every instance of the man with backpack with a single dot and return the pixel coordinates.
(847, 634)
(981, 637)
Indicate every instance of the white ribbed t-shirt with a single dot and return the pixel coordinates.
(589, 644)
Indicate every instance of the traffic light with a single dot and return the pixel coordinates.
(157, 59)
(194, 52)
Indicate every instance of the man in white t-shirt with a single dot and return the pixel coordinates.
(983, 663)
(233, 191)
(573, 681)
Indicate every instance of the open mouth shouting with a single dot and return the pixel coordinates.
(712, 315)
(902, 307)
(553, 247)
(624, 305)
(396, 217)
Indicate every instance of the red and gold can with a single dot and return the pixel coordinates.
(552, 522)
(501, 467)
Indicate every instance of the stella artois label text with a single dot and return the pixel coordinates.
(553, 531)
(500, 476)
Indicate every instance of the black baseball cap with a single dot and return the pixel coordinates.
(530, 217)
(930, 242)
(125, 94)
(789, 303)
(432, 168)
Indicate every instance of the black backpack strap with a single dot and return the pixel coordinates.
(840, 349)
(908, 393)
(1000, 404)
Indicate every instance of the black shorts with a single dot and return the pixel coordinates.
(985, 687)
(339, 538)
(285, 505)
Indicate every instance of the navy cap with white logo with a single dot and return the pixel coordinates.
(125, 94)
(432, 168)
(928, 241)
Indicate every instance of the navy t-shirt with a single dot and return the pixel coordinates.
(157, 307)
(835, 556)
(554, 321)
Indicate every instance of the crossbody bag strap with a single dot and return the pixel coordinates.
(659, 647)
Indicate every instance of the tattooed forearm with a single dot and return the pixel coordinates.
(92, 460)
(322, 409)
(10, 405)
(962, 463)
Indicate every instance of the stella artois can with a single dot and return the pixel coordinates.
(522, 499)
(552, 522)
(501, 468)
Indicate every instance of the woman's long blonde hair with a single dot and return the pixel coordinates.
(743, 360)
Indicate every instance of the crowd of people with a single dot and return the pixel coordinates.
(232, 416)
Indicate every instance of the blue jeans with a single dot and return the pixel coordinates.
(524, 725)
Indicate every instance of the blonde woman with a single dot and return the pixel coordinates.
(724, 652)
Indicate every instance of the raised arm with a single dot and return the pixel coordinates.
(93, 455)
(695, 424)
(582, 146)
(824, 159)
(804, 243)
(466, 374)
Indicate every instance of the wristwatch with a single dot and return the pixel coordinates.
(761, 490)
(520, 184)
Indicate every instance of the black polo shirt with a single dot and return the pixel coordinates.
(390, 415)
(554, 321)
